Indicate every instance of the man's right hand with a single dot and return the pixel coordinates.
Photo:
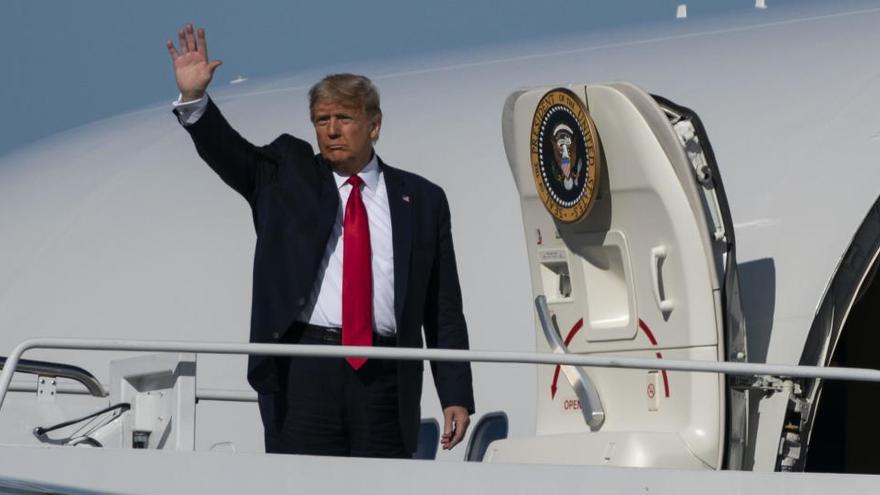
(192, 69)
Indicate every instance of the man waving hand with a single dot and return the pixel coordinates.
(350, 251)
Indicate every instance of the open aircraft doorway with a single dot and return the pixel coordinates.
(843, 438)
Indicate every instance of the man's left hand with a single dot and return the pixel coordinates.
(455, 423)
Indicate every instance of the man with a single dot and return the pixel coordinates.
(349, 251)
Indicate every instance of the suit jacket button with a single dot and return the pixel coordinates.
(300, 301)
(275, 335)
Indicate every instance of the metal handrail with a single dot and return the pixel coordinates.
(591, 403)
(206, 394)
(410, 354)
(58, 370)
(225, 395)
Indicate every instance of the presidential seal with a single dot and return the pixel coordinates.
(564, 150)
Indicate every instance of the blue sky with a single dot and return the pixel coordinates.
(69, 63)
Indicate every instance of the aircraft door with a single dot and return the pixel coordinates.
(632, 247)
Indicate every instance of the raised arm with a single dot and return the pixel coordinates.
(240, 164)
(192, 69)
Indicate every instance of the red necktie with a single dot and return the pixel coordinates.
(357, 274)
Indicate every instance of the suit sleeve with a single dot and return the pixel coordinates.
(444, 323)
(240, 164)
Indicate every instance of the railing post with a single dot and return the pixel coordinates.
(9, 369)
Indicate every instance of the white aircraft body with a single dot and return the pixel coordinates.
(118, 231)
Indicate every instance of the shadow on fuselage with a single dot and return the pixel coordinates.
(757, 280)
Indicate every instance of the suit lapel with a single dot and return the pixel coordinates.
(400, 205)
(328, 201)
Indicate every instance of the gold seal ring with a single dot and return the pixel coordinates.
(564, 153)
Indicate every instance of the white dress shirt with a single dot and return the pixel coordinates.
(325, 303)
(189, 112)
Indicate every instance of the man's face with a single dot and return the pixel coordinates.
(345, 134)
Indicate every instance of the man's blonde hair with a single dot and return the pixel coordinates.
(347, 89)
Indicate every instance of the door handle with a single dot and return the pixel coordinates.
(584, 389)
(658, 256)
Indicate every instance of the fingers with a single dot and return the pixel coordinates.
(448, 426)
(461, 424)
(214, 64)
(190, 40)
(181, 39)
(190, 37)
(171, 50)
(202, 42)
(455, 424)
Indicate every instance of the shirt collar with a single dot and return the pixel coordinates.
(369, 174)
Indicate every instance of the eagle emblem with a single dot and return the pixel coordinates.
(564, 155)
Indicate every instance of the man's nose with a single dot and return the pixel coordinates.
(333, 127)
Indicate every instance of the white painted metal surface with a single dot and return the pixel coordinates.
(117, 230)
(73, 472)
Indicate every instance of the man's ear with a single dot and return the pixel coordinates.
(375, 127)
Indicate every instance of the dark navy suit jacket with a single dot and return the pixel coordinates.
(294, 200)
